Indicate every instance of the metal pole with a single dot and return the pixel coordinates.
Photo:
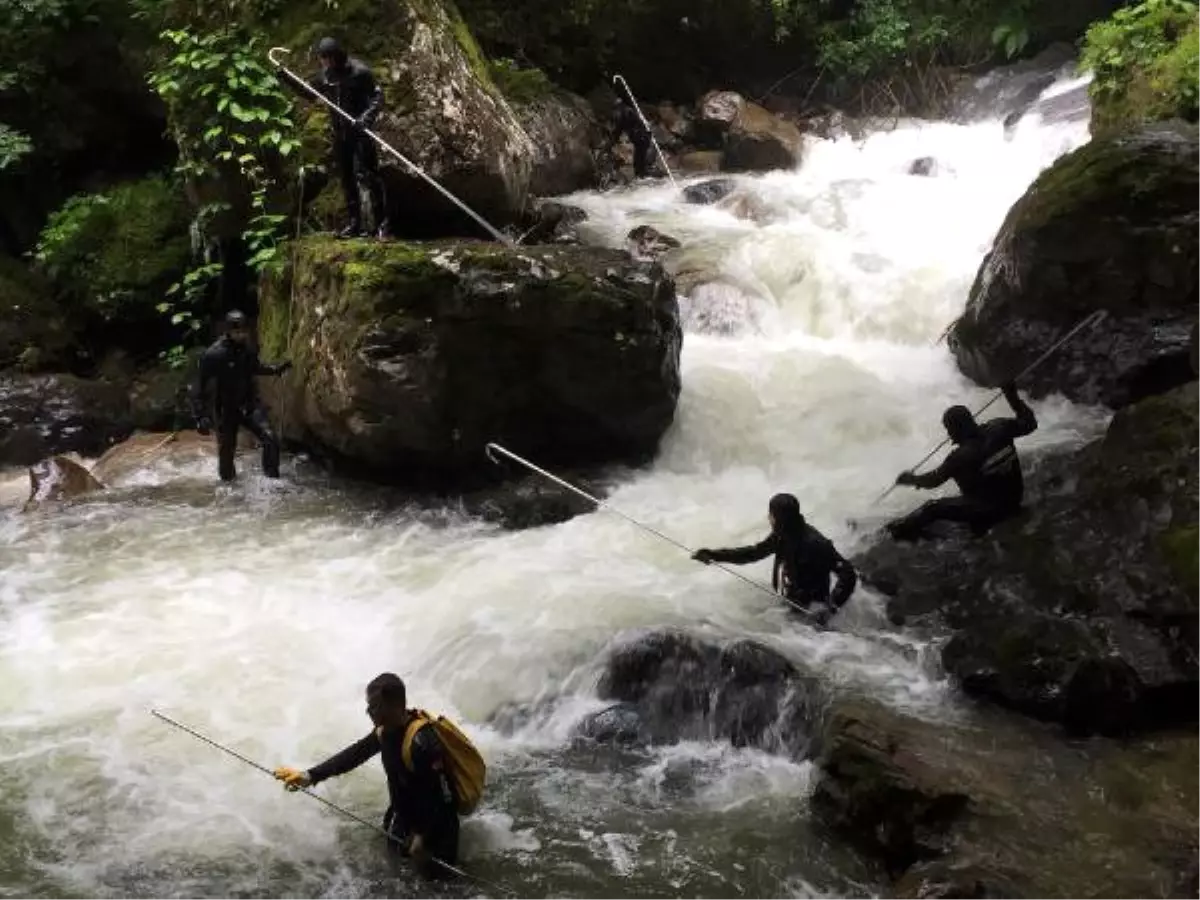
(413, 167)
(1093, 319)
(649, 130)
(658, 534)
(333, 806)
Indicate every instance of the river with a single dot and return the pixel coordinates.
(256, 613)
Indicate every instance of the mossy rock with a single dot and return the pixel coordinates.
(410, 358)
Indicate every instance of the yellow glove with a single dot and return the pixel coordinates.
(293, 779)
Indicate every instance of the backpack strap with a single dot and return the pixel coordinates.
(419, 720)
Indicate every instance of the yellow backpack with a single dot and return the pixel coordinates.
(467, 768)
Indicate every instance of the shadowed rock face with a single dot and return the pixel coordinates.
(410, 359)
(1113, 227)
(1083, 610)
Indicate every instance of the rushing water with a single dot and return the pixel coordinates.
(256, 613)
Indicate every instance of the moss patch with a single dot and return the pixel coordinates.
(1180, 548)
(521, 85)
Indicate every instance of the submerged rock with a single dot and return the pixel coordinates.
(531, 502)
(410, 359)
(1083, 610)
(59, 478)
(1111, 226)
(648, 244)
(710, 191)
(670, 686)
(998, 809)
(556, 224)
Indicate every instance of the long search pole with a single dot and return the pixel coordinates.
(491, 448)
(333, 806)
(413, 167)
(649, 130)
(1093, 319)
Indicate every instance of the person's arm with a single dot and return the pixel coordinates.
(374, 99)
(847, 579)
(738, 556)
(1025, 421)
(933, 478)
(206, 371)
(346, 760)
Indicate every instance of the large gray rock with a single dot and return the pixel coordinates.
(410, 359)
(752, 138)
(563, 130)
(1111, 226)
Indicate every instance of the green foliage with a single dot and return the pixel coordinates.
(520, 85)
(111, 255)
(1144, 61)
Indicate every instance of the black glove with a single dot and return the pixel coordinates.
(906, 478)
(204, 426)
(703, 556)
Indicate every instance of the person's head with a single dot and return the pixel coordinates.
(959, 424)
(784, 514)
(330, 53)
(387, 700)
(235, 326)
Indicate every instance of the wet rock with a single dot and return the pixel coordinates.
(715, 114)
(698, 162)
(649, 244)
(146, 449)
(709, 191)
(532, 502)
(751, 138)
(677, 686)
(926, 165)
(57, 479)
(748, 206)
(1111, 226)
(556, 224)
(563, 129)
(45, 415)
(968, 809)
(1083, 610)
(620, 723)
(410, 359)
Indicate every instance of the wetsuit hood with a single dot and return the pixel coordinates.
(785, 512)
(959, 424)
(330, 47)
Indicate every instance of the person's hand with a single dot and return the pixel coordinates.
(293, 779)
(1009, 387)
(204, 426)
(703, 556)
(906, 478)
(361, 124)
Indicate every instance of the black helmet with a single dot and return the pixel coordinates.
(235, 318)
(328, 46)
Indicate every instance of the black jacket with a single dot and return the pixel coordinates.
(423, 800)
(803, 565)
(625, 120)
(986, 467)
(352, 87)
(233, 367)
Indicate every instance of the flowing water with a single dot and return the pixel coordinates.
(256, 613)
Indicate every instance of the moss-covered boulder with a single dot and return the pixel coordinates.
(1084, 609)
(1111, 226)
(984, 806)
(442, 110)
(35, 332)
(409, 358)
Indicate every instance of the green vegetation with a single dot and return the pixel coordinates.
(520, 85)
(1145, 61)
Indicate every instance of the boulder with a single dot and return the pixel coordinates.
(970, 808)
(705, 192)
(1111, 226)
(752, 138)
(146, 449)
(556, 224)
(925, 165)
(410, 359)
(442, 111)
(1083, 610)
(44, 415)
(648, 244)
(531, 502)
(59, 478)
(564, 131)
(670, 685)
(699, 162)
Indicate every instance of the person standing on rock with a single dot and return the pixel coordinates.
(232, 364)
(984, 464)
(804, 560)
(626, 120)
(349, 84)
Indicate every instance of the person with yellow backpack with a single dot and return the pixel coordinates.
(434, 774)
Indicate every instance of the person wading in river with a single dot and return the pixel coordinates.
(349, 84)
(232, 364)
(625, 120)
(422, 817)
(984, 464)
(804, 560)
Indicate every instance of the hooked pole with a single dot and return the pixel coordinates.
(412, 167)
(654, 531)
(649, 130)
(1092, 319)
(318, 797)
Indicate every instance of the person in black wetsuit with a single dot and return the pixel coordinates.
(804, 560)
(349, 84)
(232, 364)
(984, 464)
(422, 816)
(625, 120)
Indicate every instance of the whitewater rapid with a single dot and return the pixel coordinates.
(813, 304)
